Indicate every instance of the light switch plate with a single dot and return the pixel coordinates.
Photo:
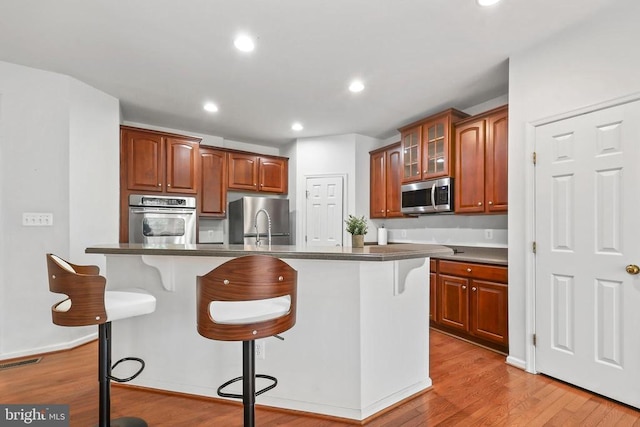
(37, 219)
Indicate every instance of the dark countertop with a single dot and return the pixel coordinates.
(368, 253)
(498, 256)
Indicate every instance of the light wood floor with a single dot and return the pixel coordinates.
(472, 386)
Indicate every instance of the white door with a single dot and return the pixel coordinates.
(324, 214)
(587, 233)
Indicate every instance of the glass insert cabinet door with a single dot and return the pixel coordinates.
(411, 154)
(435, 144)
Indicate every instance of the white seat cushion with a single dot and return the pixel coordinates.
(126, 303)
(242, 312)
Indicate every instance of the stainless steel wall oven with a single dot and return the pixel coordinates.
(162, 219)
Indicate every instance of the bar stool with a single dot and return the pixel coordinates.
(88, 303)
(245, 299)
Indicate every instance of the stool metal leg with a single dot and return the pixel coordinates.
(249, 382)
(104, 378)
(104, 371)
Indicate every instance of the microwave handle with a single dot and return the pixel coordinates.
(433, 197)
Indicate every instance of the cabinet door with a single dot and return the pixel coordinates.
(454, 307)
(243, 171)
(213, 183)
(489, 311)
(144, 161)
(393, 175)
(273, 175)
(377, 185)
(182, 165)
(496, 162)
(411, 168)
(433, 284)
(435, 148)
(469, 182)
(433, 290)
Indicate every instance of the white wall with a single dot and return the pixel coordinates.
(588, 64)
(334, 155)
(44, 117)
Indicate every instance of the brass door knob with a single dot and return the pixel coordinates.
(632, 269)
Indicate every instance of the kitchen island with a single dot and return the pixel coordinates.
(360, 343)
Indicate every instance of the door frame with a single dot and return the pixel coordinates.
(303, 195)
(530, 219)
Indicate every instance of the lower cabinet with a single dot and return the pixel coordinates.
(472, 302)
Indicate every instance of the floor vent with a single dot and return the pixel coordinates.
(19, 363)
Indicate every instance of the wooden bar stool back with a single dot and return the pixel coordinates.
(245, 299)
(88, 303)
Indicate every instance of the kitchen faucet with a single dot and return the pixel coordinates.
(268, 226)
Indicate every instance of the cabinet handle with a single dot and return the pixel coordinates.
(473, 289)
(468, 270)
(479, 203)
(387, 210)
(159, 185)
(168, 185)
(490, 202)
(464, 287)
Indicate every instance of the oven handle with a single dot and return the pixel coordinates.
(162, 211)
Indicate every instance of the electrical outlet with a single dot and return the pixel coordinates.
(403, 233)
(260, 349)
(33, 219)
(488, 234)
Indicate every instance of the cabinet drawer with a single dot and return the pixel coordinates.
(476, 271)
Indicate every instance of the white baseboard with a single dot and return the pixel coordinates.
(50, 348)
(518, 363)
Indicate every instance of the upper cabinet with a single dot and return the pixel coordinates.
(213, 183)
(159, 162)
(386, 170)
(427, 149)
(250, 172)
(481, 166)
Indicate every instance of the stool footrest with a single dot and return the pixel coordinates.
(125, 359)
(239, 396)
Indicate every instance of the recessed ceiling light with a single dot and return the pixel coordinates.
(356, 86)
(487, 2)
(297, 126)
(211, 107)
(244, 43)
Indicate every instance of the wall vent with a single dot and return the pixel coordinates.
(10, 365)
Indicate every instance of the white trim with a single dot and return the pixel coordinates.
(516, 363)
(588, 109)
(51, 348)
(530, 232)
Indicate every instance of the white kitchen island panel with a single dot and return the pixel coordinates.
(360, 343)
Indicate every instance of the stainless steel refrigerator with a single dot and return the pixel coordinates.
(242, 220)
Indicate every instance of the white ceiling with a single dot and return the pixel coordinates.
(164, 58)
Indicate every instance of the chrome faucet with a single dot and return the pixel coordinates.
(268, 226)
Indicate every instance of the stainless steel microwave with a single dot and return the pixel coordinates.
(428, 196)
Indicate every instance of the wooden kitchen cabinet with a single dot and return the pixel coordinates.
(250, 172)
(433, 285)
(472, 302)
(427, 148)
(386, 164)
(481, 163)
(213, 183)
(159, 162)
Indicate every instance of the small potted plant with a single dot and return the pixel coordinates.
(357, 227)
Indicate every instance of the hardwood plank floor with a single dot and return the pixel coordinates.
(472, 387)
